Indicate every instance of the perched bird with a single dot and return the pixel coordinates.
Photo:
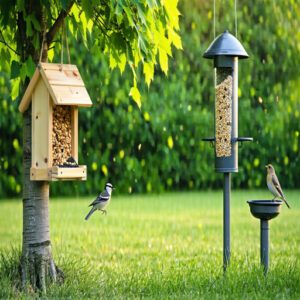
(274, 185)
(101, 201)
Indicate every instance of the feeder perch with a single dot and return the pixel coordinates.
(54, 94)
(264, 210)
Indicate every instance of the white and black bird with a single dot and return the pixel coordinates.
(101, 201)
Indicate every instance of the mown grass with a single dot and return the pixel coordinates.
(165, 246)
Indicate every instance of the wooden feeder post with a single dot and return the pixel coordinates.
(55, 92)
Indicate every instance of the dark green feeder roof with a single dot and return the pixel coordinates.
(225, 44)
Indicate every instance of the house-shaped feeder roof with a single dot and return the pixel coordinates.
(63, 83)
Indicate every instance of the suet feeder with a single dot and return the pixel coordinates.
(226, 50)
(54, 94)
(265, 210)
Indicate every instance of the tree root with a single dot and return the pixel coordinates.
(38, 269)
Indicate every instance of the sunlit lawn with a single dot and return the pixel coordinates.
(163, 246)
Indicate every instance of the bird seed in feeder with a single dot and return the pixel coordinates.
(61, 134)
(223, 113)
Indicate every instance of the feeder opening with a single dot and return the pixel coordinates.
(61, 134)
(223, 112)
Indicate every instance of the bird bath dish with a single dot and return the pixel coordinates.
(265, 209)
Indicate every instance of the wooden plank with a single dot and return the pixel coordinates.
(56, 173)
(67, 84)
(50, 130)
(40, 126)
(51, 66)
(69, 173)
(53, 96)
(74, 130)
(66, 77)
(40, 174)
(28, 93)
(71, 95)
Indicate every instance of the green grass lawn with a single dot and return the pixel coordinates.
(163, 247)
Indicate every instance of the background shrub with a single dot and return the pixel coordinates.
(159, 147)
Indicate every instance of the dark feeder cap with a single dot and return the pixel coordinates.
(226, 45)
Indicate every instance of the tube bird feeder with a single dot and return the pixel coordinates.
(226, 50)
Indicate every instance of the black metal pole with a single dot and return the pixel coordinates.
(226, 221)
(264, 244)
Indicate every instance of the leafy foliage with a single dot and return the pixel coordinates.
(158, 147)
(129, 32)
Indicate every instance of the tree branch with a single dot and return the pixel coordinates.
(58, 23)
(3, 41)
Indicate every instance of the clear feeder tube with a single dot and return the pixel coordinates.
(223, 112)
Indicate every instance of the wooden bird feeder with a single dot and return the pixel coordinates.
(55, 92)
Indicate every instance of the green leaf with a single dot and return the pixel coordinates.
(112, 62)
(163, 60)
(29, 31)
(15, 88)
(148, 72)
(152, 3)
(35, 23)
(175, 38)
(141, 13)
(14, 69)
(136, 96)
(30, 67)
(129, 16)
(87, 8)
(122, 62)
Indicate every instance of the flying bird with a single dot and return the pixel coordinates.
(274, 185)
(101, 201)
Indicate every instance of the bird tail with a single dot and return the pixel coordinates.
(285, 202)
(90, 213)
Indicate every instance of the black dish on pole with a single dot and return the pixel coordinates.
(264, 210)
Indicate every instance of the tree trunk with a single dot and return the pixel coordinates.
(37, 265)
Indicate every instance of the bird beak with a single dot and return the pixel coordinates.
(266, 166)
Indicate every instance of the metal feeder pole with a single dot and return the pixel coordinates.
(226, 220)
(264, 244)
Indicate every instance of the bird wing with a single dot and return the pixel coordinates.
(103, 197)
(277, 185)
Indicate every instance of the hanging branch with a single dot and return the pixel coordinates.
(3, 41)
(58, 23)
